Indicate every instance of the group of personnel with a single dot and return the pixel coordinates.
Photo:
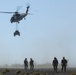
(63, 64)
(54, 63)
(31, 63)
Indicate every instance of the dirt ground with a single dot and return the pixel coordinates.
(7, 71)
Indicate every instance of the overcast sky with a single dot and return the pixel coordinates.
(49, 32)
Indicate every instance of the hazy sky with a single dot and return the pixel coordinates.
(49, 32)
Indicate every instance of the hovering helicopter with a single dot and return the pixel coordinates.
(17, 17)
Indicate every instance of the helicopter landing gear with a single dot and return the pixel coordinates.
(18, 22)
(24, 18)
(17, 31)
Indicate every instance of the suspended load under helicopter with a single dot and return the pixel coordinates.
(17, 17)
(16, 33)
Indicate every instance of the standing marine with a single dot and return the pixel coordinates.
(31, 64)
(63, 64)
(55, 64)
(25, 63)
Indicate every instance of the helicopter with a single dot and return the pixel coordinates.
(17, 17)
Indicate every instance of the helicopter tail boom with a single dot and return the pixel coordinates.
(26, 13)
(27, 9)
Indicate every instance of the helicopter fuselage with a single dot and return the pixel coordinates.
(17, 17)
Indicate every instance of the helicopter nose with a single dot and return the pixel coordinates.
(11, 20)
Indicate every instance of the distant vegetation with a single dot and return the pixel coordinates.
(46, 65)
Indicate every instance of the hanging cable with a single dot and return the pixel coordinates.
(16, 26)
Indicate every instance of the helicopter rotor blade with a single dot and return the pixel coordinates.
(7, 12)
(18, 8)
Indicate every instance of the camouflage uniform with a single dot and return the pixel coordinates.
(26, 63)
(31, 64)
(55, 63)
(64, 64)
